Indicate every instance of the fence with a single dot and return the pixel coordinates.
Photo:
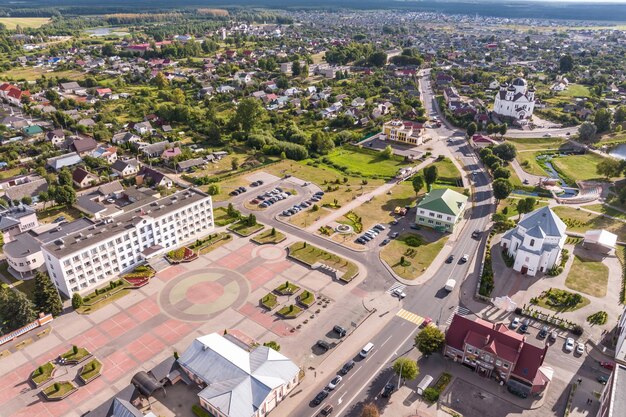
(23, 330)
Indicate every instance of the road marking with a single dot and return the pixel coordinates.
(396, 286)
(353, 373)
(383, 344)
(412, 317)
(461, 311)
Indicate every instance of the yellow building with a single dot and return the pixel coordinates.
(403, 131)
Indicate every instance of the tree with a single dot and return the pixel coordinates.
(65, 177)
(213, 189)
(296, 69)
(16, 309)
(505, 151)
(160, 81)
(47, 298)
(322, 143)
(387, 152)
(587, 132)
(248, 115)
(251, 220)
(526, 205)
(566, 63)
(503, 129)
(27, 200)
(430, 175)
(430, 340)
(502, 188)
(405, 368)
(234, 164)
(501, 172)
(609, 168)
(370, 410)
(377, 59)
(620, 114)
(272, 344)
(77, 300)
(418, 184)
(603, 119)
(471, 129)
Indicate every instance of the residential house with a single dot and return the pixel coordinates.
(125, 137)
(189, 164)
(442, 79)
(142, 128)
(153, 178)
(154, 150)
(238, 382)
(108, 153)
(403, 131)
(67, 160)
(32, 130)
(536, 242)
(171, 153)
(27, 186)
(125, 168)
(496, 352)
(83, 178)
(56, 137)
(82, 145)
(441, 209)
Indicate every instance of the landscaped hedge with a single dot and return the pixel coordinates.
(486, 280)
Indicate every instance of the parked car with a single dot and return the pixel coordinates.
(340, 330)
(59, 219)
(324, 345)
(569, 344)
(524, 327)
(416, 227)
(515, 323)
(608, 365)
(464, 258)
(320, 397)
(603, 379)
(426, 322)
(580, 348)
(394, 235)
(394, 222)
(334, 382)
(543, 332)
(360, 241)
(346, 367)
(553, 336)
(327, 410)
(384, 242)
(388, 390)
(475, 234)
(379, 227)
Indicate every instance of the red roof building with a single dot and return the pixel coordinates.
(495, 351)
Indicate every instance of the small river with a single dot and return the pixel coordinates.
(619, 151)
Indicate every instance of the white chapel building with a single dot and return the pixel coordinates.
(536, 242)
(515, 100)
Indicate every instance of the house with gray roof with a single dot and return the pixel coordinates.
(30, 186)
(441, 209)
(237, 382)
(536, 242)
(67, 160)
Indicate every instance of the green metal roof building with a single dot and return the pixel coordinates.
(441, 209)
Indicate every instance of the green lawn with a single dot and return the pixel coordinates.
(511, 205)
(51, 213)
(78, 356)
(269, 301)
(88, 309)
(576, 90)
(40, 375)
(589, 277)
(579, 167)
(601, 208)
(287, 288)
(242, 229)
(527, 144)
(366, 163)
(64, 387)
(419, 258)
(447, 172)
(25, 286)
(306, 298)
(289, 311)
(581, 221)
(555, 299)
(310, 255)
(221, 217)
(91, 369)
(267, 237)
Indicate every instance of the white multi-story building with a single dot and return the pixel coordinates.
(515, 100)
(537, 241)
(87, 258)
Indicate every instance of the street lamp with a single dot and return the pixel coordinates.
(400, 375)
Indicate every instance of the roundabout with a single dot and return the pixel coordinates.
(203, 294)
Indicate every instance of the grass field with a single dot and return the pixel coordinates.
(32, 74)
(419, 258)
(576, 90)
(367, 163)
(581, 221)
(24, 22)
(527, 144)
(310, 254)
(601, 208)
(380, 208)
(589, 277)
(579, 167)
(511, 206)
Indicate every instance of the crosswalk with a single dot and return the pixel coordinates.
(396, 286)
(412, 317)
(461, 311)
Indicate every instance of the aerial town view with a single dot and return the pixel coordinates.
(307, 209)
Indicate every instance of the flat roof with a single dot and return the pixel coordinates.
(31, 242)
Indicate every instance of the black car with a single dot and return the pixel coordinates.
(324, 345)
(450, 259)
(340, 330)
(475, 234)
(260, 182)
(320, 397)
(346, 367)
(543, 332)
(388, 390)
(523, 328)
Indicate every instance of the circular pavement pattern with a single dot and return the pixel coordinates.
(270, 253)
(203, 294)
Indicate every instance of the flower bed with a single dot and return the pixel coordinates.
(290, 312)
(90, 371)
(306, 299)
(42, 374)
(269, 301)
(179, 255)
(287, 288)
(139, 277)
(59, 390)
(102, 293)
(310, 255)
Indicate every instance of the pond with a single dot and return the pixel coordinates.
(619, 151)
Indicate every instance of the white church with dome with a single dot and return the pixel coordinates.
(516, 100)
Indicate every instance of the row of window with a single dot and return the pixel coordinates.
(487, 358)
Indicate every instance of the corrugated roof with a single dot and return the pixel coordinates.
(444, 200)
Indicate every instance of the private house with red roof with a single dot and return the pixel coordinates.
(13, 94)
(483, 141)
(495, 351)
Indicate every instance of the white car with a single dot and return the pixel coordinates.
(334, 382)
(569, 344)
(580, 348)
(399, 293)
(464, 258)
(515, 323)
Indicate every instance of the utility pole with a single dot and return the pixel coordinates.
(400, 375)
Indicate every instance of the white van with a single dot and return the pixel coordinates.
(450, 284)
(366, 350)
(424, 383)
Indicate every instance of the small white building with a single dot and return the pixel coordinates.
(536, 242)
(600, 241)
(515, 100)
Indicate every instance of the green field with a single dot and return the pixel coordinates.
(417, 259)
(24, 22)
(367, 163)
(32, 74)
(579, 167)
(535, 144)
(601, 208)
(576, 90)
(581, 221)
(589, 277)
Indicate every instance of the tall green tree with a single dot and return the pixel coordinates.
(418, 184)
(525, 205)
(406, 368)
(566, 63)
(587, 132)
(505, 151)
(47, 298)
(609, 168)
(502, 188)
(248, 114)
(430, 175)
(16, 309)
(603, 119)
(430, 340)
(471, 129)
